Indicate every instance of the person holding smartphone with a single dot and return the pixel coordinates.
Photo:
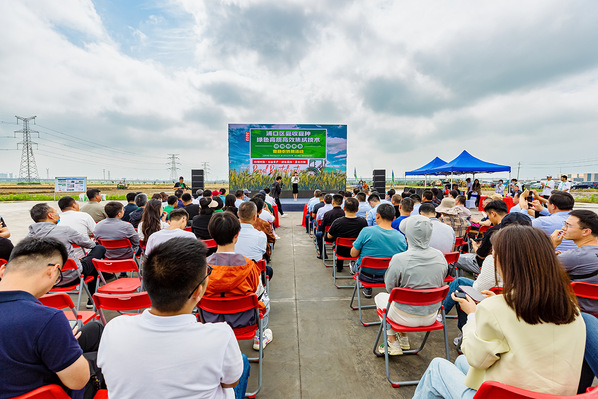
(5, 244)
(512, 338)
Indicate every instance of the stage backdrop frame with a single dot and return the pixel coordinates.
(258, 153)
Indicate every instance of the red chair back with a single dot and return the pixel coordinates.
(496, 290)
(459, 241)
(498, 390)
(585, 290)
(46, 392)
(420, 296)
(189, 228)
(231, 305)
(211, 243)
(262, 265)
(451, 257)
(117, 243)
(121, 302)
(115, 266)
(345, 242)
(58, 300)
(3, 262)
(483, 229)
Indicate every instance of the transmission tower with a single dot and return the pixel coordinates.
(173, 166)
(206, 169)
(28, 170)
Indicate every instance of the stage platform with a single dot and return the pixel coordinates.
(289, 205)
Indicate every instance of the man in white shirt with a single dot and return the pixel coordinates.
(564, 185)
(310, 206)
(500, 187)
(178, 221)
(194, 359)
(251, 242)
(364, 207)
(374, 202)
(327, 206)
(443, 235)
(547, 187)
(81, 222)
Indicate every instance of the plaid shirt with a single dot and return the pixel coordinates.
(458, 224)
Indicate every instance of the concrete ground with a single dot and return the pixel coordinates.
(320, 349)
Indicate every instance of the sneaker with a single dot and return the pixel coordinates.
(352, 267)
(394, 348)
(89, 304)
(267, 339)
(367, 292)
(457, 342)
(283, 216)
(439, 318)
(404, 342)
(276, 236)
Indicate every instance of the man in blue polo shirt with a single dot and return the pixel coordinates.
(37, 345)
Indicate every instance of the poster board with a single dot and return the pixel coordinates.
(258, 153)
(70, 184)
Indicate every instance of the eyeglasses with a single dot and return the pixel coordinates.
(208, 272)
(60, 277)
(567, 226)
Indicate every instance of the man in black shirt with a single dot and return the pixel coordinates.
(347, 226)
(180, 183)
(191, 208)
(130, 207)
(329, 217)
(275, 192)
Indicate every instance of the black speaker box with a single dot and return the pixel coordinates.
(197, 180)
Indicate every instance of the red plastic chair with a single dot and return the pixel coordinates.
(46, 392)
(122, 285)
(62, 301)
(371, 265)
(121, 303)
(275, 211)
(116, 243)
(324, 248)
(265, 279)
(76, 287)
(3, 262)
(451, 258)
(238, 304)
(409, 296)
(211, 243)
(342, 243)
(498, 390)
(189, 229)
(584, 289)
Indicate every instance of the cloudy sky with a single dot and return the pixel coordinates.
(118, 86)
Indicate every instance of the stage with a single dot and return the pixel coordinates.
(289, 205)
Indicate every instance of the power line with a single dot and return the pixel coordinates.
(28, 169)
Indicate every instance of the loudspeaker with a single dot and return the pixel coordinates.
(197, 181)
(379, 181)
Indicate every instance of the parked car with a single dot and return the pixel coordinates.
(536, 185)
(585, 185)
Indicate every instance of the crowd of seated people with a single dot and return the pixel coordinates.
(509, 337)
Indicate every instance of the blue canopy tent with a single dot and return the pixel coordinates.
(425, 170)
(467, 163)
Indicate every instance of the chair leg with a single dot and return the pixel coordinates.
(335, 277)
(258, 360)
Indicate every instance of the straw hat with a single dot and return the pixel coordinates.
(447, 206)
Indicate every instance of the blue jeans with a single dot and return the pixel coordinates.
(444, 379)
(241, 387)
(450, 302)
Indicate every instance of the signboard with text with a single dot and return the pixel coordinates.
(259, 153)
(70, 184)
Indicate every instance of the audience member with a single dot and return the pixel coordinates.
(234, 274)
(327, 220)
(151, 221)
(471, 262)
(417, 201)
(420, 266)
(176, 228)
(81, 222)
(581, 263)
(269, 200)
(93, 207)
(178, 193)
(547, 187)
(222, 194)
(564, 185)
(6, 245)
(405, 209)
(172, 204)
(135, 216)
(176, 277)
(559, 205)
(453, 194)
(114, 228)
(37, 345)
(229, 204)
(327, 206)
(460, 205)
(261, 225)
(428, 198)
(437, 195)
(130, 207)
(499, 188)
(450, 216)
(347, 226)
(514, 187)
(443, 235)
(251, 243)
(191, 208)
(46, 225)
(374, 202)
(380, 240)
(239, 195)
(388, 198)
(396, 202)
(310, 206)
(512, 338)
(200, 223)
(364, 207)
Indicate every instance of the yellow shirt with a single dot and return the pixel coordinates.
(543, 358)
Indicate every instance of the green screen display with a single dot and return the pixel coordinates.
(288, 143)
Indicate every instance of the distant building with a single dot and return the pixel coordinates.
(6, 175)
(583, 176)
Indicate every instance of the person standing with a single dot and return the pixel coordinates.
(276, 190)
(477, 187)
(500, 187)
(564, 185)
(181, 183)
(547, 187)
(295, 182)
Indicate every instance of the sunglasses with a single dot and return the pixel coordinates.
(208, 272)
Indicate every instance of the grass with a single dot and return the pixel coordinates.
(47, 197)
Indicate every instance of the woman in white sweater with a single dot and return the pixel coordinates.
(532, 336)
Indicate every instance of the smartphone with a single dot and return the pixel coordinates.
(2, 224)
(472, 293)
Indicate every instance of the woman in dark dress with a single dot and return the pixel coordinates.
(295, 182)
